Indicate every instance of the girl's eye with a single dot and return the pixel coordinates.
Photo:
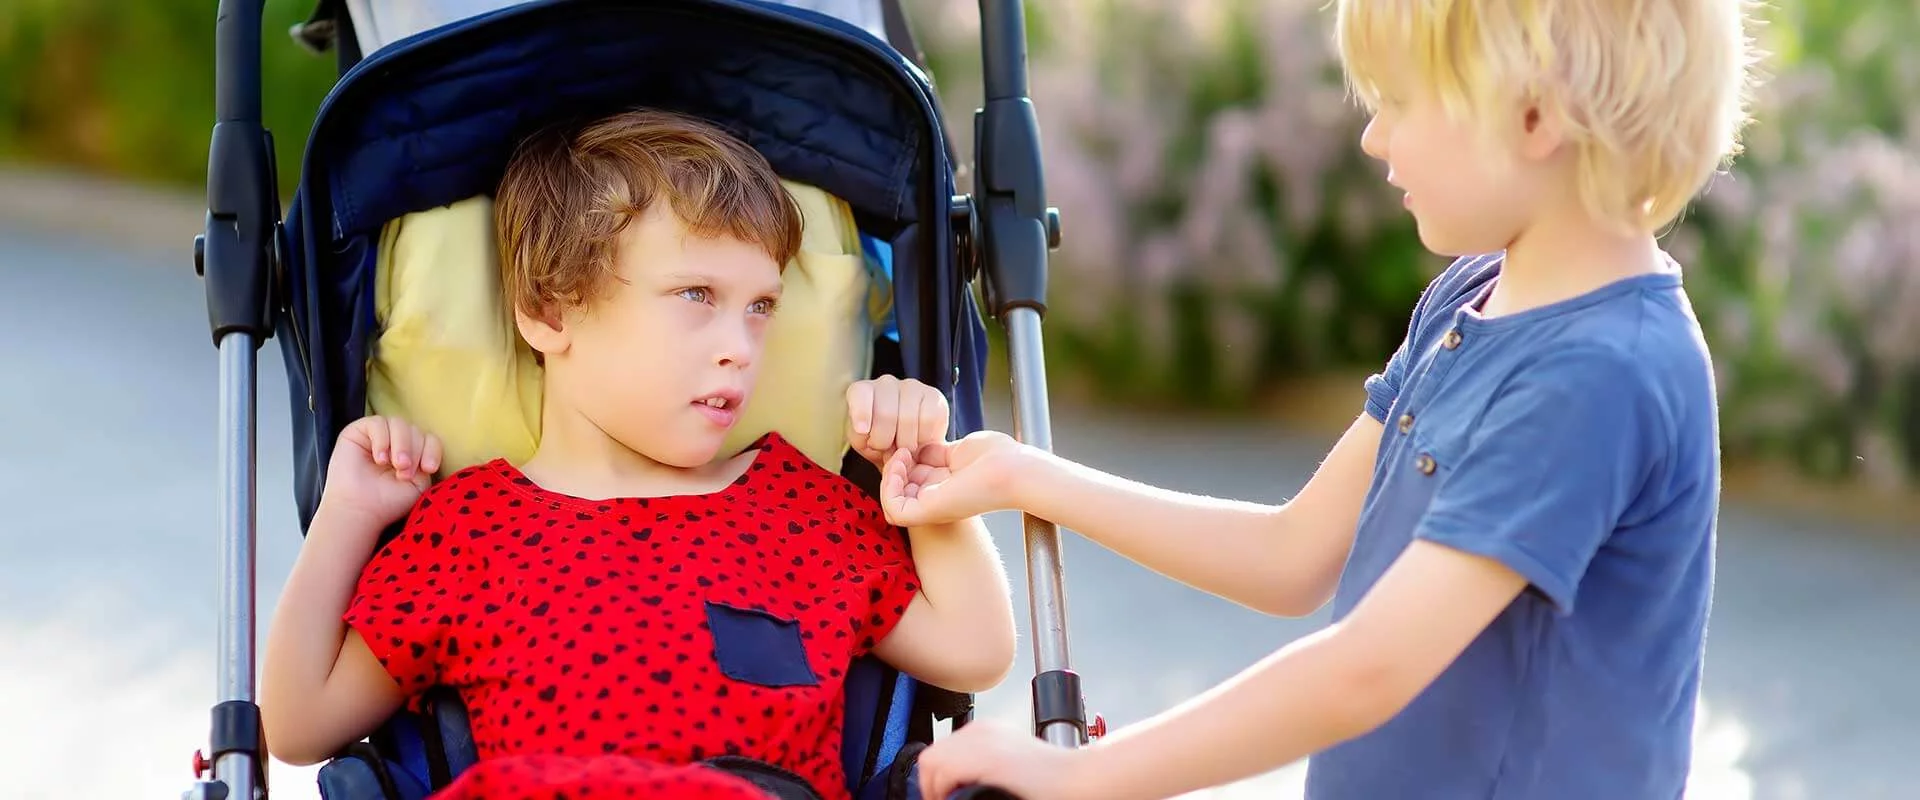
(697, 294)
(763, 306)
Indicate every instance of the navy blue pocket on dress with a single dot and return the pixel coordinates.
(758, 647)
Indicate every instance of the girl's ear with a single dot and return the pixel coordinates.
(545, 332)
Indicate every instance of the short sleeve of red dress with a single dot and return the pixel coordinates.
(877, 560)
(415, 591)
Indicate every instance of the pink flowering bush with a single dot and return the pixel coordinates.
(1223, 231)
(1807, 257)
(1222, 228)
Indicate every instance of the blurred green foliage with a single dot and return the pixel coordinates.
(127, 87)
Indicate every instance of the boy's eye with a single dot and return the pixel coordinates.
(697, 294)
(764, 305)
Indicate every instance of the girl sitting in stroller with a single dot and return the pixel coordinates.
(631, 608)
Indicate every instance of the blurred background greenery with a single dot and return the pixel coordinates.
(1225, 237)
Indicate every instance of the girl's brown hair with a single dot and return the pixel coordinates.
(569, 191)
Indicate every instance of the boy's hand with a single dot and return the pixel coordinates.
(379, 468)
(888, 414)
(986, 754)
(944, 483)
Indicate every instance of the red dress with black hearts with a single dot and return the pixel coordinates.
(604, 647)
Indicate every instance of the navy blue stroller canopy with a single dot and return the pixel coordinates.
(432, 119)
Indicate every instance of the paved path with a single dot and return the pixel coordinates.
(108, 566)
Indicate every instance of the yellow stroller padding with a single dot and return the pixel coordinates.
(447, 356)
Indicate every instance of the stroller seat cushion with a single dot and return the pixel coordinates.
(448, 358)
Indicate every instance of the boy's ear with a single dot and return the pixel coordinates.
(1542, 130)
(545, 332)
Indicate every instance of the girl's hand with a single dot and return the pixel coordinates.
(380, 466)
(887, 414)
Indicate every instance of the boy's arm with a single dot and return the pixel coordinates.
(1316, 692)
(958, 630)
(321, 686)
(1282, 560)
(1534, 494)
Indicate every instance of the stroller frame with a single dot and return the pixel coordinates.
(1005, 233)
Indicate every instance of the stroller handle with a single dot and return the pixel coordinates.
(1016, 230)
(237, 255)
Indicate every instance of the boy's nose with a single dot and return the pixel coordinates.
(1373, 140)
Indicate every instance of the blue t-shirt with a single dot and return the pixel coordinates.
(1577, 443)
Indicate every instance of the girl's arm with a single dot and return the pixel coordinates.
(321, 688)
(1283, 560)
(958, 631)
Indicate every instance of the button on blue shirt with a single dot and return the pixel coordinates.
(1576, 443)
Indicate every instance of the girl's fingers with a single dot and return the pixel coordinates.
(400, 444)
(418, 451)
(860, 409)
(430, 458)
(886, 418)
(913, 422)
(377, 442)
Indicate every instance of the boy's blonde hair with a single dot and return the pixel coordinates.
(1654, 93)
(569, 191)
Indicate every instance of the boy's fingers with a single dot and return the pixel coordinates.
(936, 453)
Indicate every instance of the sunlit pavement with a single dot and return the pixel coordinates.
(109, 568)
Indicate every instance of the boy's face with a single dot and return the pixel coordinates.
(663, 360)
(1470, 190)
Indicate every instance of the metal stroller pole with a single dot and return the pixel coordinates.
(237, 256)
(1016, 230)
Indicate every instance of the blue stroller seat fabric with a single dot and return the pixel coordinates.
(431, 120)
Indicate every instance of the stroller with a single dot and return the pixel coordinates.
(430, 120)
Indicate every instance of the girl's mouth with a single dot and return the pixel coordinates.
(720, 408)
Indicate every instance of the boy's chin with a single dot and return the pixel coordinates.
(1445, 246)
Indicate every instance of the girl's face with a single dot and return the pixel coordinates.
(664, 360)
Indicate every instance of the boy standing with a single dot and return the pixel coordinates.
(1517, 535)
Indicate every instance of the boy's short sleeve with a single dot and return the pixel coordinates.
(1384, 387)
(880, 564)
(1553, 465)
(409, 594)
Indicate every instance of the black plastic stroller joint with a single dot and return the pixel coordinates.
(1016, 228)
(1057, 700)
(237, 253)
(237, 729)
